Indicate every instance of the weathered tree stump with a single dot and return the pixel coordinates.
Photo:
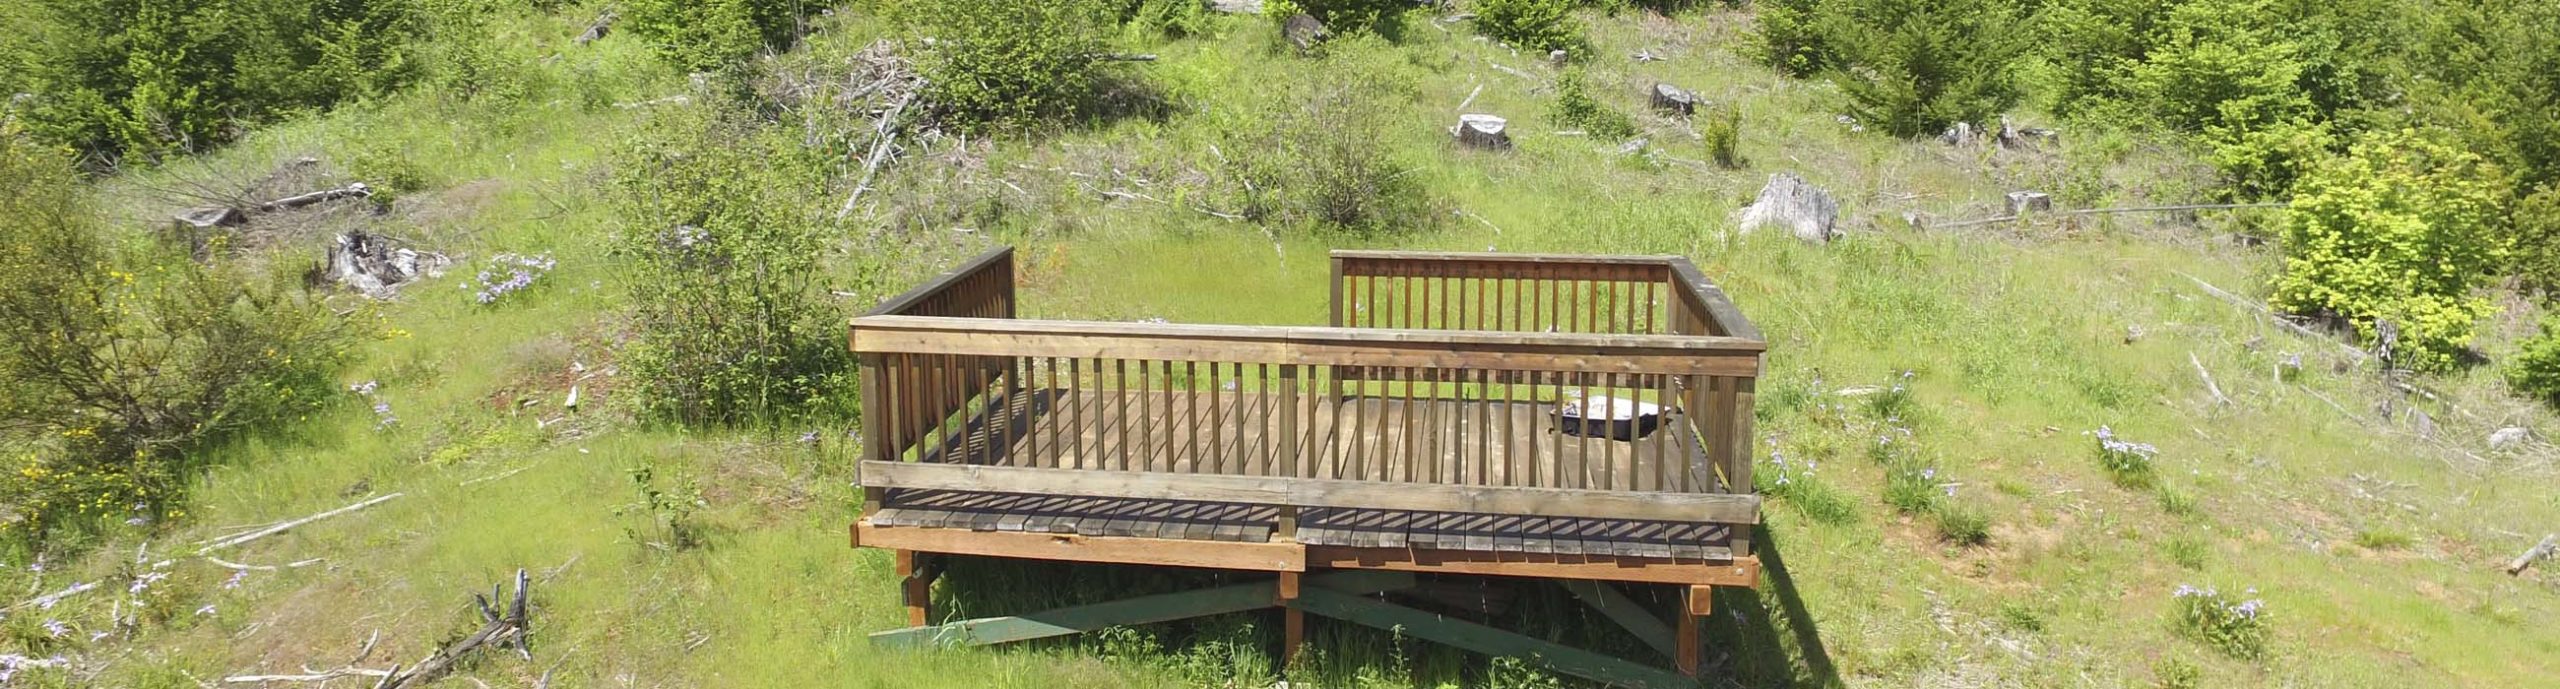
(1960, 135)
(2511, 436)
(1558, 57)
(1304, 31)
(1236, 6)
(596, 30)
(1673, 101)
(374, 266)
(1483, 131)
(2024, 202)
(1788, 201)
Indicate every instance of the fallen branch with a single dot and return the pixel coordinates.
(1471, 98)
(885, 137)
(307, 676)
(287, 526)
(1121, 57)
(506, 629)
(57, 596)
(2261, 310)
(227, 564)
(2539, 551)
(2127, 209)
(355, 190)
(2208, 379)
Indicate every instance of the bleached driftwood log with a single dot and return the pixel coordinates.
(2539, 551)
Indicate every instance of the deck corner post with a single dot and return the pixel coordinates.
(1695, 604)
(1293, 622)
(915, 578)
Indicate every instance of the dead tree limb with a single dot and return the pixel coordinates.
(500, 630)
(2261, 310)
(356, 190)
(2208, 380)
(2539, 551)
(287, 526)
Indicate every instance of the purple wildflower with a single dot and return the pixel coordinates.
(55, 628)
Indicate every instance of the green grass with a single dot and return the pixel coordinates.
(2014, 336)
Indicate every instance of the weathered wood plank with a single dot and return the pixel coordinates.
(1717, 569)
(1308, 492)
(1630, 616)
(1132, 611)
(1267, 557)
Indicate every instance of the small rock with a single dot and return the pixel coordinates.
(1672, 100)
(2024, 202)
(1483, 131)
(1805, 210)
(2511, 436)
(2132, 333)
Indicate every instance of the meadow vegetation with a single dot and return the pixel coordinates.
(634, 381)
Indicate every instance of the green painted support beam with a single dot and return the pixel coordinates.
(1615, 604)
(1487, 640)
(1140, 610)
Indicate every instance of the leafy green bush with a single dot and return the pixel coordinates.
(1724, 137)
(2537, 243)
(1318, 151)
(1575, 107)
(2535, 372)
(116, 362)
(716, 222)
(708, 35)
(1789, 37)
(126, 78)
(1914, 67)
(1532, 24)
(1001, 63)
(2403, 229)
(1344, 17)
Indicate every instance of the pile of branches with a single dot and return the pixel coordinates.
(866, 102)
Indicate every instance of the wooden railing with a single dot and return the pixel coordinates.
(1438, 410)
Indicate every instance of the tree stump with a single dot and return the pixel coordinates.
(1304, 32)
(2024, 202)
(1673, 101)
(1483, 131)
(1805, 210)
(1558, 57)
(1960, 135)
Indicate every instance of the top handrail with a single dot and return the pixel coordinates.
(906, 303)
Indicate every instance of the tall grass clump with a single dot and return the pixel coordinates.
(724, 249)
(996, 64)
(1800, 484)
(117, 361)
(2404, 230)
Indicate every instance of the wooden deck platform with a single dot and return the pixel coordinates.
(1421, 433)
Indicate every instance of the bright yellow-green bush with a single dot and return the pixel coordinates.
(1532, 24)
(2404, 229)
(707, 35)
(1002, 63)
(116, 361)
(2535, 372)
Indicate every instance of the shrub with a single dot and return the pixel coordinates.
(724, 251)
(124, 78)
(2535, 372)
(708, 35)
(1321, 153)
(116, 363)
(1575, 107)
(1342, 17)
(2238, 629)
(1000, 63)
(1914, 67)
(2402, 229)
(2128, 463)
(1532, 24)
(1789, 37)
(2537, 240)
(1724, 137)
(665, 515)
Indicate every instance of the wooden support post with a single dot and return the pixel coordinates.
(1293, 622)
(1696, 603)
(915, 586)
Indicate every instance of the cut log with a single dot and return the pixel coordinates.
(1672, 100)
(2024, 202)
(212, 217)
(2538, 552)
(1788, 201)
(351, 191)
(1484, 131)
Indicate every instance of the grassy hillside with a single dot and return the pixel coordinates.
(1987, 355)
